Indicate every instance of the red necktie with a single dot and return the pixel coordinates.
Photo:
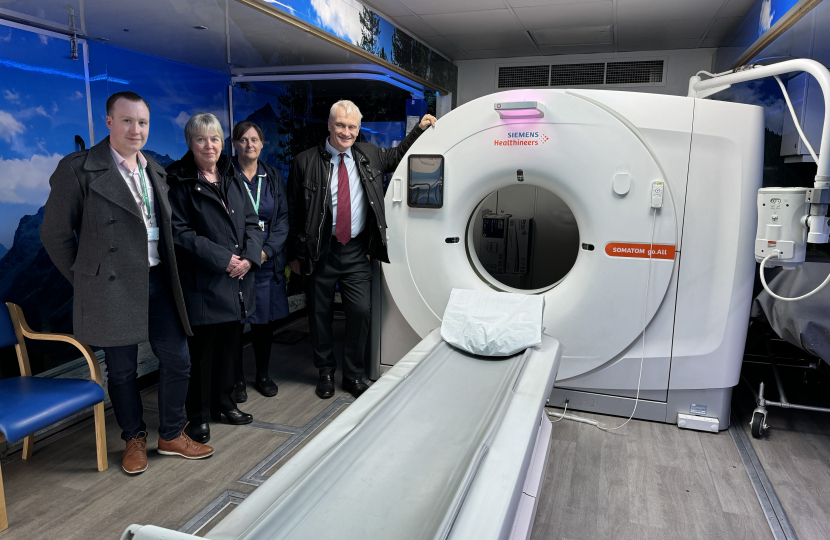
(343, 229)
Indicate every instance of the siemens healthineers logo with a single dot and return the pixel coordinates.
(522, 138)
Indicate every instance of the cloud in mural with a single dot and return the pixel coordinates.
(767, 14)
(12, 96)
(27, 180)
(9, 127)
(340, 16)
(181, 119)
(76, 95)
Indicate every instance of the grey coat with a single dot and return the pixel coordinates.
(107, 263)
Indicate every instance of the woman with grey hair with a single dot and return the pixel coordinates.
(218, 244)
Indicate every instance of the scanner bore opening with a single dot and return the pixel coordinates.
(524, 237)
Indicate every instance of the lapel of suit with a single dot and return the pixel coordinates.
(110, 184)
(158, 178)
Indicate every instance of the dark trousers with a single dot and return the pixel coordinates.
(212, 351)
(348, 266)
(262, 335)
(169, 344)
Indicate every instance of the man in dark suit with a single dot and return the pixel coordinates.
(107, 229)
(336, 223)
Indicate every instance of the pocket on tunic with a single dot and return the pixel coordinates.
(86, 267)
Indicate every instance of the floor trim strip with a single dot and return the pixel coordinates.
(777, 519)
(214, 508)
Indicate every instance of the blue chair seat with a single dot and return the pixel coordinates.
(29, 404)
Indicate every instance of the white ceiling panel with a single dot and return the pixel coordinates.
(432, 7)
(534, 3)
(416, 25)
(639, 11)
(567, 15)
(491, 40)
(504, 53)
(711, 42)
(736, 8)
(447, 47)
(577, 49)
(722, 26)
(499, 20)
(392, 8)
(667, 30)
(662, 45)
(591, 35)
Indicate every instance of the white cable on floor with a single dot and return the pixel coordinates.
(713, 74)
(775, 253)
(561, 416)
(795, 120)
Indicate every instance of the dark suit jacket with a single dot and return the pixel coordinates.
(95, 235)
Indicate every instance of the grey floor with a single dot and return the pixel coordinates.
(648, 480)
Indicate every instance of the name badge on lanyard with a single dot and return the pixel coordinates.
(152, 233)
(262, 225)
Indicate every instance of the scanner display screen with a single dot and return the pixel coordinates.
(426, 181)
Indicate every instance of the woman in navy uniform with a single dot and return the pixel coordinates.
(265, 188)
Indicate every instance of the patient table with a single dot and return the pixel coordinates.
(445, 445)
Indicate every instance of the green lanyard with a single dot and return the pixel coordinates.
(258, 191)
(144, 193)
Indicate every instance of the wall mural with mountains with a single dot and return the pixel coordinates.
(43, 117)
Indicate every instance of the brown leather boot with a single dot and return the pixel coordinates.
(184, 446)
(135, 455)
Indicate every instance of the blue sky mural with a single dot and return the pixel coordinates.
(174, 91)
(42, 109)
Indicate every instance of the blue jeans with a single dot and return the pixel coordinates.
(169, 344)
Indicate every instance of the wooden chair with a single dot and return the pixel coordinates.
(29, 404)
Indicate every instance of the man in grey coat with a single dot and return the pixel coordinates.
(107, 229)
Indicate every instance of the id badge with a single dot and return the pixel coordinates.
(261, 224)
(153, 233)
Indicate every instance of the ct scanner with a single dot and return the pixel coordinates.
(663, 191)
(600, 152)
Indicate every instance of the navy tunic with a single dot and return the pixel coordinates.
(271, 297)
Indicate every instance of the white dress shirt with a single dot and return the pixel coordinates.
(355, 190)
(133, 180)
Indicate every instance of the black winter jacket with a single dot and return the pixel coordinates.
(274, 245)
(308, 192)
(206, 235)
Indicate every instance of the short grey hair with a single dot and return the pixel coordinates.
(203, 123)
(350, 108)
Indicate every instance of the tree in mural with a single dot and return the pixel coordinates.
(371, 33)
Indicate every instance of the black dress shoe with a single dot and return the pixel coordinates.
(355, 386)
(240, 393)
(266, 386)
(325, 386)
(198, 432)
(235, 417)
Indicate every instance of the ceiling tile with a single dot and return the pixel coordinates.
(640, 11)
(491, 40)
(567, 15)
(711, 42)
(736, 8)
(504, 53)
(414, 24)
(447, 47)
(722, 26)
(499, 20)
(573, 36)
(432, 7)
(666, 30)
(577, 49)
(534, 3)
(662, 45)
(392, 8)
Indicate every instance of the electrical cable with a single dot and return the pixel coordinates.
(775, 254)
(713, 75)
(795, 120)
(563, 412)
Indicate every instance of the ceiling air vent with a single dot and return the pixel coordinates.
(577, 74)
(523, 76)
(641, 72)
(649, 72)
